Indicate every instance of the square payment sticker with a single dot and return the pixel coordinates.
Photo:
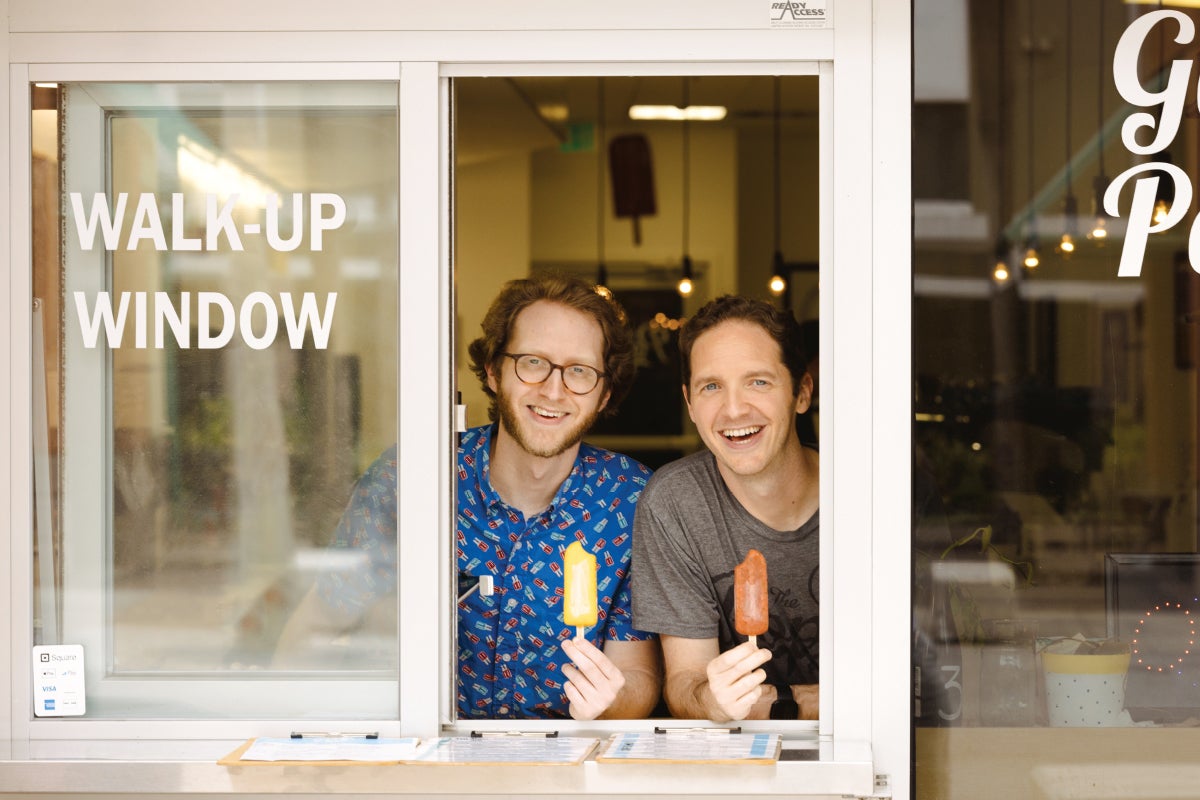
(58, 681)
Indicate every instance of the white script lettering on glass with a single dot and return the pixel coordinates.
(146, 223)
(1172, 97)
(257, 334)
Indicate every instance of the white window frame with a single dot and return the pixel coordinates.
(87, 475)
(865, 248)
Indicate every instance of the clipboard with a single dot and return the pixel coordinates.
(236, 758)
(505, 750)
(692, 746)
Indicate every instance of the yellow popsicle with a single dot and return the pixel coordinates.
(579, 588)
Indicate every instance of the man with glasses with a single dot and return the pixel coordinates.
(554, 356)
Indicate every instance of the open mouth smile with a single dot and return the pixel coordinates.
(743, 434)
(546, 413)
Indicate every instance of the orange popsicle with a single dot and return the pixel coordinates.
(579, 585)
(750, 616)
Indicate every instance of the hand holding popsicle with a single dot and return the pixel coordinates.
(751, 616)
(579, 588)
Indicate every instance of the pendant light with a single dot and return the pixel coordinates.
(1165, 196)
(1099, 232)
(1000, 270)
(1032, 259)
(686, 279)
(602, 269)
(1066, 245)
(778, 283)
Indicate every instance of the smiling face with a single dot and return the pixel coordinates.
(546, 419)
(740, 397)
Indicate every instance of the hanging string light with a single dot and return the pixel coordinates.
(686, 280)
(1031, 241)
(1066, 245)
(1099, 232)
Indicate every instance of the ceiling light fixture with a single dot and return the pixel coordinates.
(686, 281)
(682, 113)
(1165, 196)
(778, 284)
(1003, 250)
(601, 270)
(1099, 232)
(1031, 240)
(1066, 245)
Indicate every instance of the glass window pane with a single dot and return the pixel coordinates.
(220, 363)
(1055, 376)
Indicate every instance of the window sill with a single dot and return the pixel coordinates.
(198, 773)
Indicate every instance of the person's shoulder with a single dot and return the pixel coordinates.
(613, 462)
(689, 465)
(686, 471)
(473, 439)
(383, 465)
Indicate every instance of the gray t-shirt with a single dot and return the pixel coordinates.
(689, 534)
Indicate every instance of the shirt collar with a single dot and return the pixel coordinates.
(482, 453)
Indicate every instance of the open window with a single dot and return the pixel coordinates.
(666, 190)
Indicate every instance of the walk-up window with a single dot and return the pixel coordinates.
(250, 284)
(215, 271)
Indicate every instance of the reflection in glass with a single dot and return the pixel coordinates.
(1056, 408)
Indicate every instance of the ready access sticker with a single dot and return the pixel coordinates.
(58, 681)
(799, 13)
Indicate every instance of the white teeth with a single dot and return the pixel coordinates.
(735, 433)
(545, 412)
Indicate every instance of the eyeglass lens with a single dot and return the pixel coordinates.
(578, 378)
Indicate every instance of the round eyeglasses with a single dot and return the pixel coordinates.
(578, 378)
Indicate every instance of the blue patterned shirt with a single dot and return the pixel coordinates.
(510, 662)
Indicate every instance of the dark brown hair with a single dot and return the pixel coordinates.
(569, 291)
(779, 324)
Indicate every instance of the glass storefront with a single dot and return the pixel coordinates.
(204, 417)
(252, 278)
(1056, 355)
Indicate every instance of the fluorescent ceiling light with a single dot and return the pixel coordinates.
(46, 85)
(701, 113)
(554, 112)
(1178, 3)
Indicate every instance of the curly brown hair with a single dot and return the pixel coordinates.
(779, 324)
(572, 292)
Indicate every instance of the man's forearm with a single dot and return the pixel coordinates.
(691, 698)
(637, 697)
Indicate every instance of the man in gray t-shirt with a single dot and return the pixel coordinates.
(755, 487)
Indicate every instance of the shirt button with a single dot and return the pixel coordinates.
(502, 710)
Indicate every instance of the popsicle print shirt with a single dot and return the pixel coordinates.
(510, 661)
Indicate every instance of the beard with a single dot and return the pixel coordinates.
(539, 442)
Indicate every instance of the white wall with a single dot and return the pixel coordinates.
(493, 246)
(564, 206)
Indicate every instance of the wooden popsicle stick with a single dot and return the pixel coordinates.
(754, 641)
(579, 629)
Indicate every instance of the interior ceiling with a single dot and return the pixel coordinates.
(495, 117)
(500, 115)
